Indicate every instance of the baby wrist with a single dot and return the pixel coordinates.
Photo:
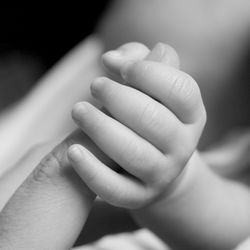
(193, 175)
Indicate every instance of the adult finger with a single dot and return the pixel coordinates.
(51, 206)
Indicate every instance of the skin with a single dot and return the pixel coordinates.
(145, 148)
(208, 55)
(212, 39)
(51, 192)
(162, 196)
(54, 191)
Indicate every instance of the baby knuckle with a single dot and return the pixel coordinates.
(157, 169)
(110, 92)
(133, 155)
(116, 198)
(142, 69)
(97, 126)
(173, 169)
(150, 116)
(92, 178)
(185, 87)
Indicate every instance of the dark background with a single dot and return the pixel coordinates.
(33, 39)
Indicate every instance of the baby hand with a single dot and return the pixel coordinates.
(155, 122)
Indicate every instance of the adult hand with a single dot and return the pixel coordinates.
(50, 207)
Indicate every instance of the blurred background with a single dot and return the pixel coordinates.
(34, 39)
(211, 37)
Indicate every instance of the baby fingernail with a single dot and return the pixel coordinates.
(75, 152)
(125, 69)
(96, 85)
(79, 110)
(113, 53)
(158, 52)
